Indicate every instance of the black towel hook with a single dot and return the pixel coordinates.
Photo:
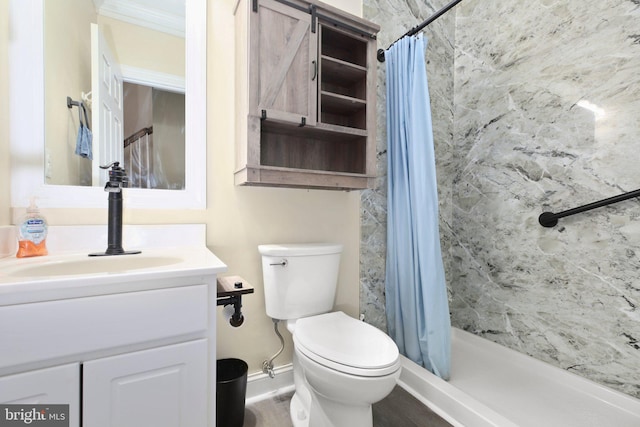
(81, 108)
(71, 103)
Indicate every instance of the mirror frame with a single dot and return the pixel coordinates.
(26, 133)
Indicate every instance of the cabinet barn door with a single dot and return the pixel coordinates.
(161, 387)
(286, 49)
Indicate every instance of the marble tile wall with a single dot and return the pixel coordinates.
(536, 107)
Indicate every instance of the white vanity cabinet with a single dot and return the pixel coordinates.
(141, 356)
(161, 387)
(59, 384)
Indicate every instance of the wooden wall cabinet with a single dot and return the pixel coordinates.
(305, 95)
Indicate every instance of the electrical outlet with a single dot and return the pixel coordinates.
(47, 165)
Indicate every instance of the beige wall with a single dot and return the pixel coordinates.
(5, 214)
(244, 217)
(237, 218)
(144, 48)
(67, 45)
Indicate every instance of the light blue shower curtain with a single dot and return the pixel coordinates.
(416, 296)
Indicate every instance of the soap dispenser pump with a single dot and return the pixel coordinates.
(117, 181)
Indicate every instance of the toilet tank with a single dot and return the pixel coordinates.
(300, 280)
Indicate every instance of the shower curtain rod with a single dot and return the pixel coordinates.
(418, 28)
(550, 219)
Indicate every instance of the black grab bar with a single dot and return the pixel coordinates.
(550, 219)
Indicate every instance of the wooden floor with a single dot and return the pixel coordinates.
(399, 409)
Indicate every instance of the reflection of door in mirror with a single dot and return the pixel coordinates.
(154, 126)
(107, 118)
(142, 48)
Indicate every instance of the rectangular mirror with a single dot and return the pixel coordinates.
(43, 131)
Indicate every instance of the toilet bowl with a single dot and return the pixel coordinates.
(347, 365)
(341, 366)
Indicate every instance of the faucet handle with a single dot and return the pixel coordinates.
(115, 165)
(116, 173)
(117, 177)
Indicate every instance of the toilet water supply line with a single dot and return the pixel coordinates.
(267, 365)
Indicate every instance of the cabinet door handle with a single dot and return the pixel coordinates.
(315, 70)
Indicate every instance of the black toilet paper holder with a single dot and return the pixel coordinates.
(229, 292)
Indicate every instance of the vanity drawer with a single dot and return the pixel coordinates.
(56, 329)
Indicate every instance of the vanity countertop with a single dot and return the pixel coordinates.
(172, 255)
(73, 274)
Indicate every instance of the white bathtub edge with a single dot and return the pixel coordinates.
(453, 405)
(553, 375)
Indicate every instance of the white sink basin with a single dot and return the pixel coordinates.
(75, 275)
(92, 265)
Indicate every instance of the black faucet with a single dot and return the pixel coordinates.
(117, 181)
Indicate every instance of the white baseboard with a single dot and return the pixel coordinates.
(260, 386)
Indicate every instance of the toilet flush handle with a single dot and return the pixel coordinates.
(282, 263)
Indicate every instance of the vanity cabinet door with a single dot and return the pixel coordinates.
(57, 385)
(161, 387)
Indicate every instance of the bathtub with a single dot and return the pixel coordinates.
(492, 385)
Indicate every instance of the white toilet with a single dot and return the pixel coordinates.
(341, 366)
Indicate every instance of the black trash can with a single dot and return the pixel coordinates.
(231, 389)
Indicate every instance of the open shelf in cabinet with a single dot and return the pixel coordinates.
(343, 111)
(343, 79)
(320, 148)
(344, 46)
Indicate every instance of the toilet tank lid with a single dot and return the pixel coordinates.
(300, 249)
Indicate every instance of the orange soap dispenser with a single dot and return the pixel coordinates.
(32, 233)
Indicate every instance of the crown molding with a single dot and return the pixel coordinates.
(139, 13)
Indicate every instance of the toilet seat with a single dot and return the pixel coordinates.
(347, 345)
